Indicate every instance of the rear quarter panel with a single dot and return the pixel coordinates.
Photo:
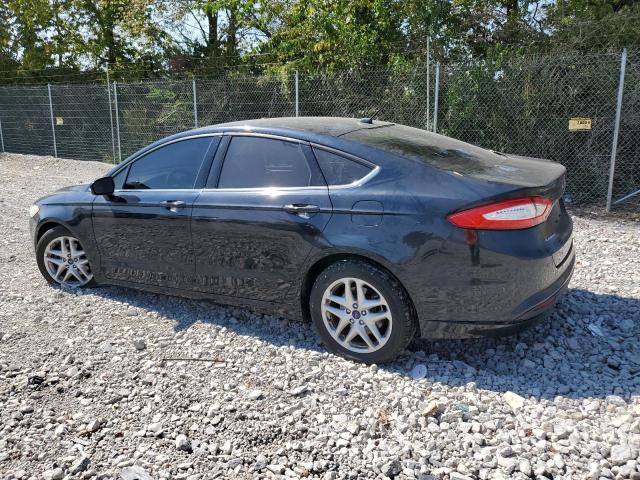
(446, 279)
(410, 223)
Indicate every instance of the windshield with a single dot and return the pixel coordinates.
(437, 150)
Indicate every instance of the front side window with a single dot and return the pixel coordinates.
(339, 170)
(174, 166)
(257, 162)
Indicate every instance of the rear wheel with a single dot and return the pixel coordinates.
(62, 260)
(362, 312)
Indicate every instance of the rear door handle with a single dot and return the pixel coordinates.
(173, 204)
(301, 208)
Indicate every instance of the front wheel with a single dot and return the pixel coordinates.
(62, 260)
(362, 312)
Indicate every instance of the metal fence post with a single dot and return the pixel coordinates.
(53, 125)
(616, 130)
(428, 83)
(1, 136)
(113, 139)
(297, 96)
(435, 99)
(115, 101)
(195, 103)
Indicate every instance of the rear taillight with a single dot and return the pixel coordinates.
(505, 215)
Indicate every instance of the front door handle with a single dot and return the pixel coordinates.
(173, 205)
(302, 209)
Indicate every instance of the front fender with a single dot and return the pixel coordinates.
(75, 218)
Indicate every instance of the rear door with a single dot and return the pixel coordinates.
(143, 231)
(265, 207)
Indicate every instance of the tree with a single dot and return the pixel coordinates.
(335, 34)
(593, 24)
(25, 37)
(224, 30)
(146, 37)
(121, 30)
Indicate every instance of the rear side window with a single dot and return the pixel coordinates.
(174, 166)
(256, 162)
(339, 170)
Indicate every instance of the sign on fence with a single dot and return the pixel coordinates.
(579, 123)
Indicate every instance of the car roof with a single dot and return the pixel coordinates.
(328, 126)
(323, 130)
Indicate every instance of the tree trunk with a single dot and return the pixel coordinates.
(512, 11)
(110, 43)
(231, 45)
(212, 34)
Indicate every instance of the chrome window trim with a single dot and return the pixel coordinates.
(358, 183)
(266, 135)
(375, 169)
(198, 190)
(267, 190)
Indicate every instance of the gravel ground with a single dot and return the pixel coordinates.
(114, 383)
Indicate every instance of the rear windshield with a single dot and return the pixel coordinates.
(437, 150)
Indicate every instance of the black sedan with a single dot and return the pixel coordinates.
(375, 231)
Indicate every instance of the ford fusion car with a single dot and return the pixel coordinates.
(375, 231)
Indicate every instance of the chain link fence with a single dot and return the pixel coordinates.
(626, 181)
(25, 120)
(522, 106)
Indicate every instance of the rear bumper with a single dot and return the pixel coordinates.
(545, 283)
(535, 309)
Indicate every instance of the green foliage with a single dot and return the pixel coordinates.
(74, 39)
(337, 34)
(150, 110)
(57, 39)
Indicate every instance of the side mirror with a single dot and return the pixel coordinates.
(103, 186)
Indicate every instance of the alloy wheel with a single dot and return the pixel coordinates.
(356, 315)
(66, 262)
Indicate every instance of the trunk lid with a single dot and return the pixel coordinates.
(523, 174)
(528, 176)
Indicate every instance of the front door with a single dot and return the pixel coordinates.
(256, 223)
(143, 230)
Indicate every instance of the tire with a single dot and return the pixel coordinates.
(59, 239)
(386, 307)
